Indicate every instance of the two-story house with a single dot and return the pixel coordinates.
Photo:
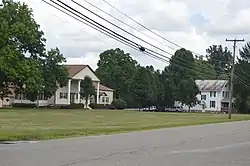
(213, 96)
(69, 93)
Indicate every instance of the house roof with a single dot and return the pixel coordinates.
(211, 85)
(74, 69)
(103, 88)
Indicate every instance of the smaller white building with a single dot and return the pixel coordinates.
(213, 96)
(69, 93)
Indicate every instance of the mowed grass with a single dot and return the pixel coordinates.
(50, 124)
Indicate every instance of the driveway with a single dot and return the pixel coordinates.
(226, 144)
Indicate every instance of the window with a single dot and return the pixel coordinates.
(227, 94)
(212, 104)
(63, 95)
(203, 97)
(223, 94)
(212, 94)
(103, 99)
(107, 99)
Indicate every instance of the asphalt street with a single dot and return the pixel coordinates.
(226, 144)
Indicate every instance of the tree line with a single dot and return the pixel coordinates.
(144, 86)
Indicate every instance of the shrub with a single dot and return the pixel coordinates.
(24, 105)
(98, 106)
(73, 106)
(119, 104)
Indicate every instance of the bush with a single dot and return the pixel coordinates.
(119, 104)
(99, 106)
(23, 105)
(73, 106)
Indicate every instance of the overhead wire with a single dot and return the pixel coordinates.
(146, 52)
(120, 40)
(120, 35)
(123, 30)
(143, 26)
(123, 22)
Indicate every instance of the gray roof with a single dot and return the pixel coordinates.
(211, 85)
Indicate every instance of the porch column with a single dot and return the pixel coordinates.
(97, 95)
(78, 91)
(69, 87)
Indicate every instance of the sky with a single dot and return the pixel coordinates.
(192, 24)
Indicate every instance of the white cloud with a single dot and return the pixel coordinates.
(171, 18)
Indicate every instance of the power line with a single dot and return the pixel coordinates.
(122, 40)
(145, 26)
(126, 24)
(103, 27)
(121, 29)
(116, 26)
(112, 6)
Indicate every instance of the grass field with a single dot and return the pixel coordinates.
(50, 124)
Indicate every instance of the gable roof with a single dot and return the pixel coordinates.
(74, 69)
(103, 88)
(211, 85)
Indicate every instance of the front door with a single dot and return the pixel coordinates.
(72, 97)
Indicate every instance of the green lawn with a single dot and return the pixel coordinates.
(47, 124)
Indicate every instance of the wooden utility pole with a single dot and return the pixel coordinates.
(232, 75)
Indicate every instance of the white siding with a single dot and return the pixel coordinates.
(217, 100)
(73, 89)
(109, 95)
(86, 72)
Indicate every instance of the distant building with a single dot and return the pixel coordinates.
(213, 96)
(69, 93)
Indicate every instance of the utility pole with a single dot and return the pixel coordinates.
(231, 76)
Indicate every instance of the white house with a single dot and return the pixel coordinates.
(70, 93)
(213, 96)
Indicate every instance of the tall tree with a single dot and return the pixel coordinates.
(142, 87)
(116, 69)
(182, 78)
(20, 36)
(24, 62)
(54, 73)
(204, 70)
(220, 58)
(87, 89)
(166, 89)
(188, 92)
(242, 79)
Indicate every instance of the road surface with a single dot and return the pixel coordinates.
(225, 144)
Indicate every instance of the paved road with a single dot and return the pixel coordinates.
(209, 145)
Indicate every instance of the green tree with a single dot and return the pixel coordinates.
(188, 95)
(242, 79)
(87, 89)
(165, 89)
(116, 70)
(182, 78)
(204, 70)
(141, 87)
(54, 73)
(24, 63)
(220, 58)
